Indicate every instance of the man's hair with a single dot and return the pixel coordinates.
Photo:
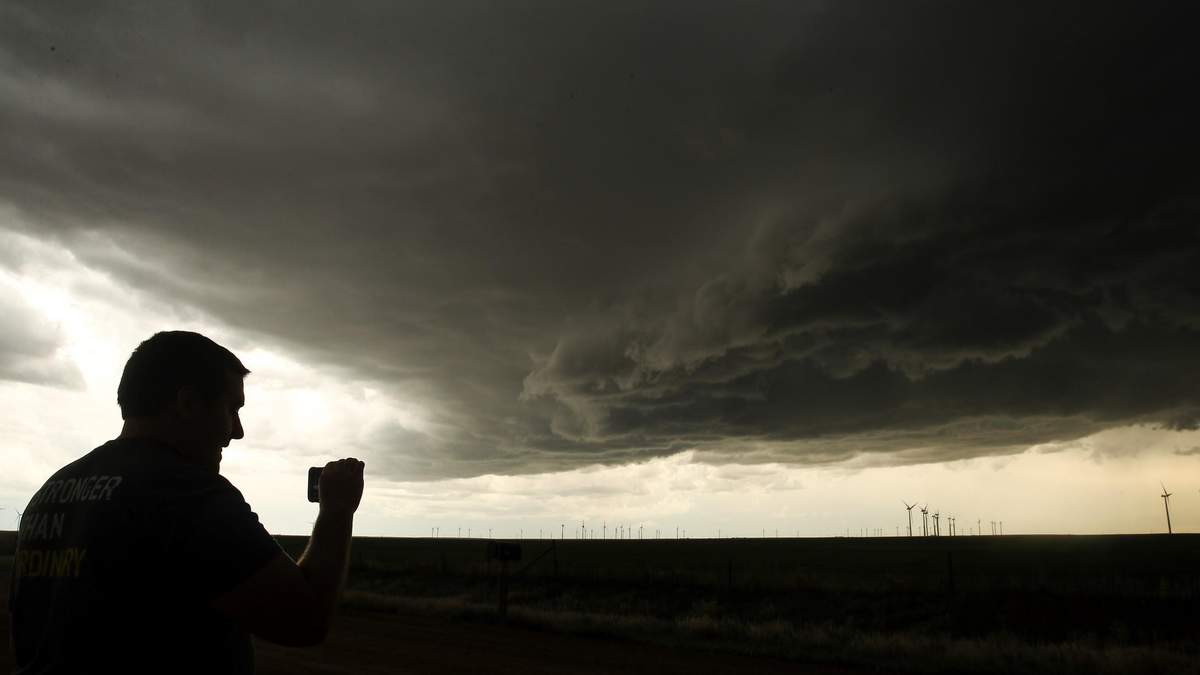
(169, 361)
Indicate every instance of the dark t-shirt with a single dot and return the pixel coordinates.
(118, 556)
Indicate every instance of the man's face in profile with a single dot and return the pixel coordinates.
(206, 428)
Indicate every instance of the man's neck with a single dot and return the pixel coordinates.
(145, 429)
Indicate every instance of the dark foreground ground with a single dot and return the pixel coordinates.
(386, 642)
(1043, 605)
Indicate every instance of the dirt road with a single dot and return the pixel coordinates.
(370, 642)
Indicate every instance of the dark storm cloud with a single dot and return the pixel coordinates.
(788, 232)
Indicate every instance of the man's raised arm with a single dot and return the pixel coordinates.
(326, 559)
(293, 603)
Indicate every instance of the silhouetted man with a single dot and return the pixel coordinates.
(141, 557)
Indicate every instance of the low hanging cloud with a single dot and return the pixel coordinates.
(794, 233)
(31, 348)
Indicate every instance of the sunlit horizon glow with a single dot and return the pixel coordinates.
(298, 415)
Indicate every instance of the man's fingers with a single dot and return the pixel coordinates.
(349, 463)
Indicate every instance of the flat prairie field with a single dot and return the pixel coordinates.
(970, 604)
(1132, 565)
(986, 604)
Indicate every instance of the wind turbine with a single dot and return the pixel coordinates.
(924, 521)
(1165, 495)
(909, 508)
(937, 530)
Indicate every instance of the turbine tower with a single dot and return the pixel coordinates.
(1165, 495)
(909, 507)
(937, 529)
(924, 521)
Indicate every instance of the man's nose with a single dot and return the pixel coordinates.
(237, 429)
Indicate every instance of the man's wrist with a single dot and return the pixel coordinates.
(332, 511)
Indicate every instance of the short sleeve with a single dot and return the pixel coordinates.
(219, 541)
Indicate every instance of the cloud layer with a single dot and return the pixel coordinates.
(790, 233)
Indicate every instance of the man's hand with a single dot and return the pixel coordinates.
(341, 486)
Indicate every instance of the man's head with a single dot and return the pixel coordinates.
(184, 389)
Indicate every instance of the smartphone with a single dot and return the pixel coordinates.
(314, 481)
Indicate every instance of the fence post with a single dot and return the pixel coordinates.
(950, 572)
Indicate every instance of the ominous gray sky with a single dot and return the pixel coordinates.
(772, 232)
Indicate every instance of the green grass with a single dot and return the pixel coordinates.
(817, 642)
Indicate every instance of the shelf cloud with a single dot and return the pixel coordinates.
(793, 233)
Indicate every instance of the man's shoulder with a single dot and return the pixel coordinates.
(143, 469)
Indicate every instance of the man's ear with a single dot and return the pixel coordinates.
(188, 402)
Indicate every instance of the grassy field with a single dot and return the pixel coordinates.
(1053, 604)
(1122, 565)
(1036, 604)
